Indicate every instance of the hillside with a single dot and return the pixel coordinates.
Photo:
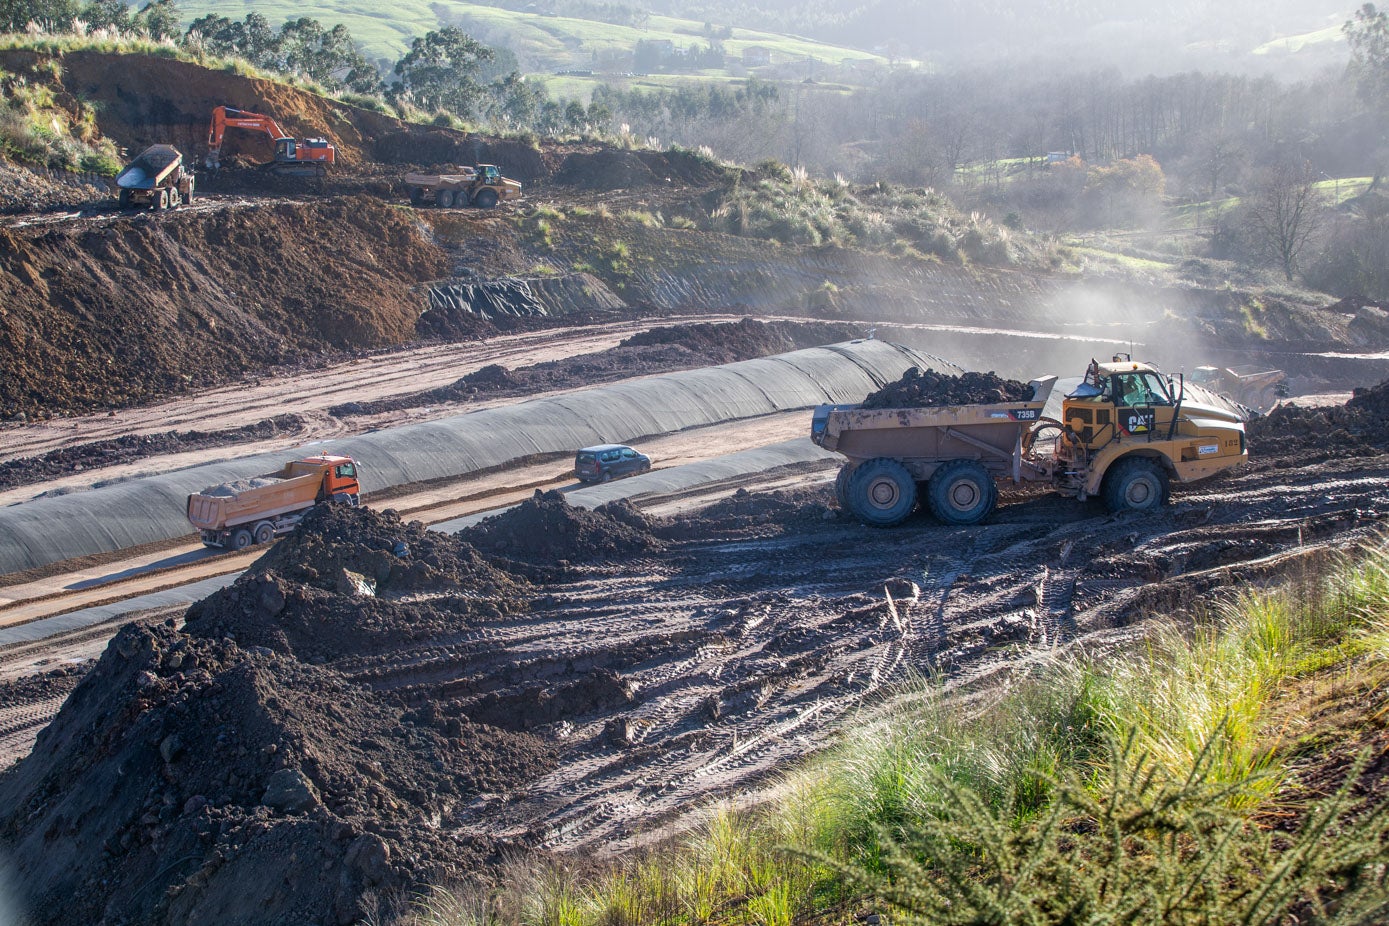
(1165, 37)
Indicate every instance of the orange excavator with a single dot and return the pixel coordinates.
(298, 157)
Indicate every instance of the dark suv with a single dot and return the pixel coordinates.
(609, 461)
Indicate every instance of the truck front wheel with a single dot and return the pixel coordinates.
(1135, 484)
(881, 492)
(240, 539)
(961, 492)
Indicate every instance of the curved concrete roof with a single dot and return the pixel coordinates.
(126, 514)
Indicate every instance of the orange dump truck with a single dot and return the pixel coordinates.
(256, 510)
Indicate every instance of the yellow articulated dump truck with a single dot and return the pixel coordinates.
(1124, 434)
(482, 186)
(256, 510)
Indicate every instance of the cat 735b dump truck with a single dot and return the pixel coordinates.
(237, 514)
(1124, 434)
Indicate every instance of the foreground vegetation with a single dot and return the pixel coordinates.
(1175, 782)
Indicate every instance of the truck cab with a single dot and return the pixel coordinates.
(1128, 430)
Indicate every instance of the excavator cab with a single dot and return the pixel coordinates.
(284, 149)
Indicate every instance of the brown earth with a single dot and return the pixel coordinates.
(928, 389)
(1359, 426)
(134, 310)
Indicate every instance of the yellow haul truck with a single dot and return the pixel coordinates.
(1124, 434)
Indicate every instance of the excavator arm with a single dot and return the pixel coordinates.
(224, 117)
(300, 156)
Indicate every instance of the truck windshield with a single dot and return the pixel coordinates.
(346, 471)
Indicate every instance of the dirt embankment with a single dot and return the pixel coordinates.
(1360, 426)
(137, 310)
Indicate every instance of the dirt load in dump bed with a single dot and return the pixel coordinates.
(929, 389)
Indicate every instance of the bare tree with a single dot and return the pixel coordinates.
(1287, 213)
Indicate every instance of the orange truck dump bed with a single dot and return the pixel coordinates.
(237, 514)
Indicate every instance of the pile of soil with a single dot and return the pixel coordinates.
(749, 515)
(132, 447)
(1359, 426)
(237, 772)
(333, 589)
(929, 389)
(546, 530)
(143, 308)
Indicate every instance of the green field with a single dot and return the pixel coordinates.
(543, 43)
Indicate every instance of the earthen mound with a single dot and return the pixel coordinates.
(605, 170)
(751, 514)
(545, 529)
(194, 781)
(1362, 424)
(332, 589)
(929, 389)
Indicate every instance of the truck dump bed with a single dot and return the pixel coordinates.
(247, 500)
(924, 437)
(458, 177)
(150, 169)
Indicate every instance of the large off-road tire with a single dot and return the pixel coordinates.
(881, 492)
(417, 197)
(961, 492)
(485, 199)
(265, 532)
(125, 199)
(240, 539)
(443, 199)
(162, 200)
(1135, 484)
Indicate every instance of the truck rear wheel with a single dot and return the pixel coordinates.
(265, 532)
(961, 492)
(240, 539)
(881, 492)
(1135, 484)
(841, 486)
(443, 198)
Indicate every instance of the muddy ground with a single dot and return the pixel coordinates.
(373, 708)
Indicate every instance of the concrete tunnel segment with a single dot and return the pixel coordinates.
(124, 514)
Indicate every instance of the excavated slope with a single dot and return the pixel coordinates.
(130, 311)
